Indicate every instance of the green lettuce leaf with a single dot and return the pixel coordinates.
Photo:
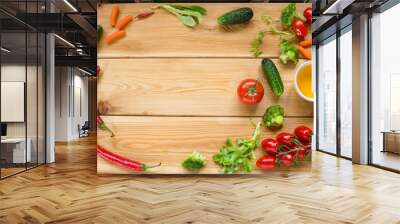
(288, 14)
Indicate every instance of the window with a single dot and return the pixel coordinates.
(385, 89)
(327, 96)
(346, 95)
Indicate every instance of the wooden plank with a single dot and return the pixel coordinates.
(170, 139)
(163, 35)
(190, 87)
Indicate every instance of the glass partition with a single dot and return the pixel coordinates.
(22, 77)
(14, 145)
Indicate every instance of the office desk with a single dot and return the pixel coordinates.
(18, 150)
(391, 141)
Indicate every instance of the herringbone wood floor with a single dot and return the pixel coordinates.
(70, 191)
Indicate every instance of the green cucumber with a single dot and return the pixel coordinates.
(273, 77)
(237, 16)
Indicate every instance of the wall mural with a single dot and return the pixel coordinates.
(204, 88)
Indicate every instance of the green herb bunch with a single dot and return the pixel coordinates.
(288, 51)
(236, 157)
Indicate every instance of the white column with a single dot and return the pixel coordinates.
(314, 84)
(360, 90)
(50, 110)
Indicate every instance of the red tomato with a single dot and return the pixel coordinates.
(250, 91)
(301, 154)
(270, 146)
(285, 138)
(266, 162)
(303, 133)
(308, 14)
(299, 28)
(287, 159)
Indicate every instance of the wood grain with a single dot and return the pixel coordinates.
(163, 35)
(167, 89)
(191, 87)
(170, 139)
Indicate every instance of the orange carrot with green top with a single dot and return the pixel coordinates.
(305, 43)
(115, 36)
(114, 15)
(123, 22)
(306, 53)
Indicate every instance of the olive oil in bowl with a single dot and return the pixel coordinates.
(303, 81)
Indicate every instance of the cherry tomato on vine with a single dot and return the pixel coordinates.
(303, 133)
(270, 146)
(299, 28)
(250, 91)
(308, 14)
(287, 159)
(301, 154)
(285, 138)
(266, 162)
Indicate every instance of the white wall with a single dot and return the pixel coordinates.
(61, 113)
(16, 73)
(80, 109)
(70, 84)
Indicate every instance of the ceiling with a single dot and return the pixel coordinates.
(23, 23)
(329, 16)
(39, 6)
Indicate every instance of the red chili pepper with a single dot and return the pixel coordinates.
(144, 15)
(102, 125)
(122, 161)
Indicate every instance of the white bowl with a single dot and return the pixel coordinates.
(299, 67)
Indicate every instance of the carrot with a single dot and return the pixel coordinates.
(123, 22)
(305, 43)
(115, 36)
(306, 53)
(114, 15)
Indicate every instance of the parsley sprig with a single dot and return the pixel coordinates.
(236, 157)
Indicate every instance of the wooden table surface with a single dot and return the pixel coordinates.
(172, 89)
